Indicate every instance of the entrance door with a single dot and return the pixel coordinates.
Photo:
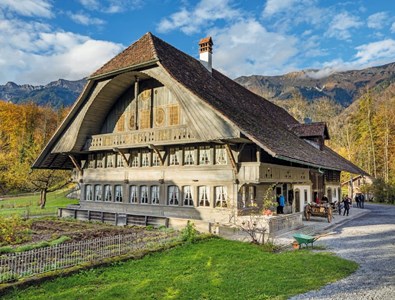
(297, 200)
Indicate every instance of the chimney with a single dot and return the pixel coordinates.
(206, 52)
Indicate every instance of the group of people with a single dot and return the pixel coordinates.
(360, 200)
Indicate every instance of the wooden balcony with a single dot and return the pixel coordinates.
(174, 135)
(255, 172)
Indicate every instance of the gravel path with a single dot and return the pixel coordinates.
(370, 241)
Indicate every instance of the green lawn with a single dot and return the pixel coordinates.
(30, 204)
(213, 269)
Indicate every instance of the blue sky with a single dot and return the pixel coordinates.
(44, 40)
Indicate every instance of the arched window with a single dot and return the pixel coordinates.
(133, 194)
(221, 196)
(88, 192)
(155, 194)
(98, 192)
(107, 193)
(144, 194)
(174, 195)
(204, 199)
(187, 195)
(118, 193)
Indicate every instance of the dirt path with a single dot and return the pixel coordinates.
(370, 241)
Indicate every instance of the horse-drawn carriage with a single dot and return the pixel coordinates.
(318, 210)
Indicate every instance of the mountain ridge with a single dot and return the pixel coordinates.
(57, 93)
(343, 87)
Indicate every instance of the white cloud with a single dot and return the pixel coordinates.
(112, 6)
(376, 51)
(378, 20)
(85, 19)
(40, 8)
(247, 48)
(273, 7)
(202, 16)
(368, 55)
(342, 24)
(37, 54)
(393, 27)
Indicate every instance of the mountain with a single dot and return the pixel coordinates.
(56, 94)
(343, 87)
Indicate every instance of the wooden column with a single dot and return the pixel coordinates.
(136, 95)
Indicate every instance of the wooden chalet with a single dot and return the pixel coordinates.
(159, 135)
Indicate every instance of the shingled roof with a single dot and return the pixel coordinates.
(266, 124)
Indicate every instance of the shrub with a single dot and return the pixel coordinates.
(14, 230)
(189, 233)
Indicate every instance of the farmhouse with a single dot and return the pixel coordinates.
(157, 134)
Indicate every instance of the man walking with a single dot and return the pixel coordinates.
(346, 202)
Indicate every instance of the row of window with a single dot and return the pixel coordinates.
(201, 155)
(144, 194)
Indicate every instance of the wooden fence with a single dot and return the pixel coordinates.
(18, 265)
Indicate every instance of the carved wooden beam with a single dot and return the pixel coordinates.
(150, 146)
(231, 158)
(119, 151)
(75, 163)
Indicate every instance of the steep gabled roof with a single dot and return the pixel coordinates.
(260, 120)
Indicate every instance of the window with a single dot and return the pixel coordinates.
(98, 192)
(134, 158)
(220, 155)
(174, 159)
(120, 160)
(334, 193)
(107, 193)
(118, 193)
(144, 194)
(174, 117)
(204, 155)
(156, 162)
(187, 194)
(88, 192)
(305, 197)
(133, 194)
(221, 196)
(100, 160)
(110, 160)
(91, 161)
(155, 194)
(145, 155)
(174, 195)
(203, 196)
(189, 156)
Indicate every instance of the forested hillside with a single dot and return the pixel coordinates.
(364, 132)
(24, 130)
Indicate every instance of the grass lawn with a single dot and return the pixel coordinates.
(30, 204)
(213, 269)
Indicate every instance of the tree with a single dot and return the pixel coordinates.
(47, 181)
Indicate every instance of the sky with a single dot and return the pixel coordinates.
(44, 40)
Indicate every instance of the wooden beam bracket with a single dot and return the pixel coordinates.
(75, 163)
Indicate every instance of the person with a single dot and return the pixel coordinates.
(357, 199)
(281, 204)
(362, 201)
(346, 205)
(278, 203)
(324, 199)
(340, 205)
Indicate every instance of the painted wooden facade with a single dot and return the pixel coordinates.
(156, 133)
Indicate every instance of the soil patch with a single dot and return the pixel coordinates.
(46, 230)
